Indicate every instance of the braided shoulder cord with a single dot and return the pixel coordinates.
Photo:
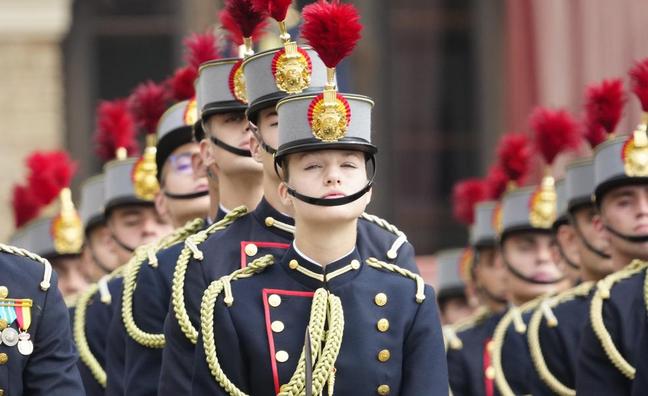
(190, 249)
(392, 253)
(603, 289)
(420, 284)
(149, 340)
(498, 342)
(16, 251)
(451, 338)
(533, 336)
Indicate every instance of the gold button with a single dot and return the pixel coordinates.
(382, 325)
(3, 324)
(490, 346)
(384, 355)
(383, 390)
(277, 326)
(269, 221)
(490, 372)
(380, 299)
(355, 264)
(293, 264)
(4, 292)
(281, 356)
(274, 300)
(4, 358)
(1, 392)
(251, 249)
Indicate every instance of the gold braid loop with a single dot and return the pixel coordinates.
(207, 320)
(325, 367)
(498, 342)
(392, 253)
(533, 336)
(603, 289)
(450, 332)
(180, 271)
(143, 338)
(16, 251)
(420, 285)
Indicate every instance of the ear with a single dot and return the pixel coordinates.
(161, 205)
(286, 199)
(198, 166)
(255, 148)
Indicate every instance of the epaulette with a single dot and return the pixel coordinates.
(514, 315)
(395, 269)
(603, 290)
(130, 280)
(533, 334)
(450, 332)
(189, 251)
(47, 272)
(392, 253)
(78, 328)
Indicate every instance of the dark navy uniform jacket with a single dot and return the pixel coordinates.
(640, 383)
(51, 368)
(115, 341)
(624, 316)
(560, 344)
(224, 252)
(405, 358)
(467, 365)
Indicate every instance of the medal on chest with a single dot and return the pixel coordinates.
(16, 310)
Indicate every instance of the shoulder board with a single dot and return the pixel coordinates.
(603, 290)
(392, 253)
(533, 335)
(450, 332)
(189, 251)
(395, 269)
(143, 338)
(47, 272)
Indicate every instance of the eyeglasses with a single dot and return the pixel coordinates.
(181, 163)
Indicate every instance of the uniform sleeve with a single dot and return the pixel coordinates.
(405, 258)
(425, 371)
(115, 344)
(457, 375)
(595, 373)
(51, 369)
(230, 356)
(640, 384)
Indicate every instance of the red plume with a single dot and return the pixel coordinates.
(182, 83)
(594, 133)
(277, 9)
(25, 205)
(49, 173)
(465, 195)
(514, 156)
(555, 131)
(115, 129)
(233, 29)
(603, 107)
(496, 182)
(639, 82)
(332, 29)
(240, 19)
(201, 47)
(147, 103)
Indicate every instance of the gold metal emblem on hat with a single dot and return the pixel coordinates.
(292, 69)
(543, 208)
(67, 228)
(635, 153)
(144, 175)
(329, 116)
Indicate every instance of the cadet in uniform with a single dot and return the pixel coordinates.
(566, 252)
(37, 355)
(383, 333)
(451, 285)
(608, 350)
(133, 221)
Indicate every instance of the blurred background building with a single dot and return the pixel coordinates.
(448, 77)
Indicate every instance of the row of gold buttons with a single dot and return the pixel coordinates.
(384, 355)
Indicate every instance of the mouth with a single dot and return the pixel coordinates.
(245, 145)
(201, 187)
(543, 277)
(333, 195)
(641, 229)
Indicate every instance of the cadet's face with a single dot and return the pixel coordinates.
(490, 272)
(585, 219)
(529, 253)
(326, 174)
(98, 247)
(233, 129)
(136, 226)
(454, 310)
(70, 278)
(567, 241)
(268, 129)
(178, 178)
(625, 209)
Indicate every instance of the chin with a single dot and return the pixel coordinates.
(330, 214)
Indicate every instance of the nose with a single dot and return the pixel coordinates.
(544, 254)
(332, 177)
(643, 203)
(149, 228)
(75, 281)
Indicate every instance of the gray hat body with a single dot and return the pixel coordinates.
(39, 238)
(517, 211)
(216, 87)
(119, 188)
(262, 87)
(561, 202)
(449, 269)
(610, 167)
(19, 239)
(579, 183)
(91, 209)
(296, 131)
(174, 130)
(482, 232)
(174, 118)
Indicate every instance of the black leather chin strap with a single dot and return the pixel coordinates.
(587, 243)
(629, 238)
(482, 289)
(564, 256)
(98, 262)
(231, 149)
(524, 278)
(123, 245)
(194, 195)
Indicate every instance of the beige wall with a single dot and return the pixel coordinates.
(31, 94)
